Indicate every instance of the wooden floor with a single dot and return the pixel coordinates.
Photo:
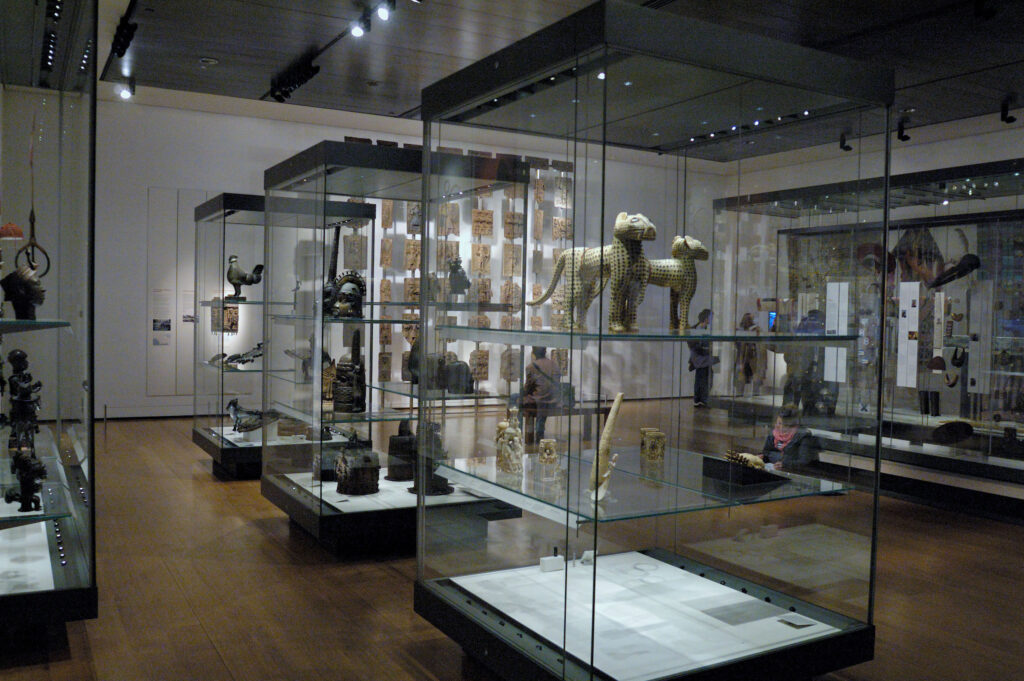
(201, 579)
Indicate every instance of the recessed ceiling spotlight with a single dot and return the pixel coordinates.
(655, 134)
(628, 83)
(691, 139)
(908, 109)
(600, 76)
(806, 112)
(360, 27)
(127, 90)
(711, 135)
(734, 128)
(945, 202)
(385, 9)
(757, 122)
(208, 61)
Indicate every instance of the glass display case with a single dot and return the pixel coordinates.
(229, 332)
(47, 132)
(344, 251)
(953, 398)
(679, 539)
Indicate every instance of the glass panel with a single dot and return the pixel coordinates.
(658, 521)
(47, 138)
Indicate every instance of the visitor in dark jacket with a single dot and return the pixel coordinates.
(790, 446)
(701, 361)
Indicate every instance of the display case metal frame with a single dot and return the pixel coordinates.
(233, 459)
(491, 94)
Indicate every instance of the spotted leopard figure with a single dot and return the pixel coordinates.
(588, 270)
(679, 274)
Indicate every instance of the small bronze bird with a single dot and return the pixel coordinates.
(246, 420)
(238, 277)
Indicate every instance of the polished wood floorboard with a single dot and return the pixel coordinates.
(206, 580)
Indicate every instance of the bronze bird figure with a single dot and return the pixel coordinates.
(238, 277)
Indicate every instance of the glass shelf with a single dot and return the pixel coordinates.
(54, 502)
(409, 390)
(245, 369)
(559, 491)
(19, 325)
(382, 414)
(220, 302)
(580, 340)
(295, 318)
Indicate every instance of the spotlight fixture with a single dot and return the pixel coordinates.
(292, 78)
(385, 9)
(360, 27)
(901, 129)
(600, 76)
(123, 36)
(49, 51)
(1004, 109)
(83, 65)
(128, 89)
(842, 142)
(53, 10)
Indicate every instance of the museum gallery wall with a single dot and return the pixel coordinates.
(142, 147)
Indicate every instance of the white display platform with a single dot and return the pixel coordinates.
(25, 560)
(650, 620)
(392, 495)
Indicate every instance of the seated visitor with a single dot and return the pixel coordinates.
(790, 446)
(540, 391)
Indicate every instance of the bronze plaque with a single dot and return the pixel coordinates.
(510, 365)
(481, 261)
(561, 356)
(513, 222)
(385, 334)
(561, 228)
(412, 254)
(446, 251)
(538, 225)
(480, 321)
(509, 322)
(413, 216)
(355, 251)
(536, 323)
(483, 222)
(411, 290)
(449, 219)
(512, 294)
(385, 252)
(387, 214)
(480, 364)
(511, 260)
(385, 290)
(480, 290)
(383, 366)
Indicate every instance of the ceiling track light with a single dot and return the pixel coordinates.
(123, 36)
(901, 129)
(1004, 109)
(385, 9)
(842, 142)
(292, 78)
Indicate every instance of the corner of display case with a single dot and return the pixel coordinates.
(228, 311)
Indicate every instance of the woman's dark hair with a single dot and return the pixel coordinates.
(539, 351)
(703, 316)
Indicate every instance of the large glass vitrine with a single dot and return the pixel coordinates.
(952, 367)
(344, 251)
(679, 539)
(47, 133)
(229, 332)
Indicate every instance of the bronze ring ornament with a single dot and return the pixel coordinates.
(951, 382)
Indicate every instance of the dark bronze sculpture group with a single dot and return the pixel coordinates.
(30, 471)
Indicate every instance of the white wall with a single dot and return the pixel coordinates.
(143, 148)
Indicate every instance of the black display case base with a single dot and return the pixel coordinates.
(513, 652)
(230, 462)
(388, 531)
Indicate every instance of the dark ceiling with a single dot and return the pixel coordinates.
(953, 58)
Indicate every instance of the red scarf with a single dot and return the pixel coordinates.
(783, 436)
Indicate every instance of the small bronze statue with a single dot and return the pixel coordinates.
(24, 290)
(238, 277)
(29, 471)
(458, 282)
(24, 403)
(349, 391)
(433, 449)
(401, 453)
